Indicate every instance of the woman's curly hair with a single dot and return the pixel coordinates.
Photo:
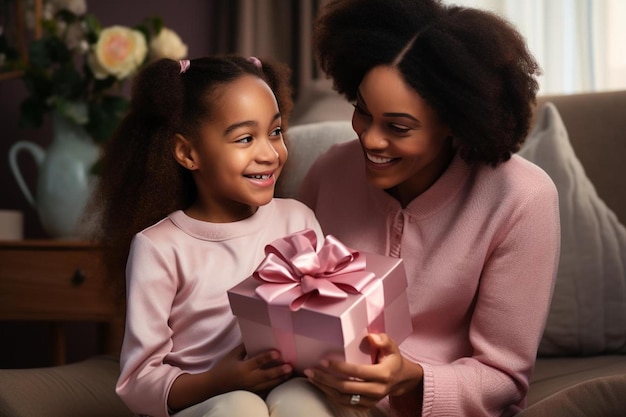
(471, 66)
(141, 182)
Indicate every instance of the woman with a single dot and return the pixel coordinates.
(443, 99)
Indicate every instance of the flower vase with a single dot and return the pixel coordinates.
(64, 182)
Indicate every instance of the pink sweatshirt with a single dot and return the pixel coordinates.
(481, 251)
(178, 316)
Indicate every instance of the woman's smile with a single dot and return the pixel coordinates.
(379, 160)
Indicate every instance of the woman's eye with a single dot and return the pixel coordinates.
(277, 132)
(247, 139)
(399, 128)
(360, 110)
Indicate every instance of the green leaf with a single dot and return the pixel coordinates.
(75, 111)
(93, 28)
(39, 54)
(157, 24)
(67, 82)
(67, 16)
(105, 116)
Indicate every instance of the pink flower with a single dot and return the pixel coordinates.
(120, 51)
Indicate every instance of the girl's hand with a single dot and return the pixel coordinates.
(259, 373)
(392, 375)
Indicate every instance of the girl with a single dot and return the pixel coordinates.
(190, 177)
(443, 98)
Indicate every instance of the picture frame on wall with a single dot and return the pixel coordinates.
(19, 24)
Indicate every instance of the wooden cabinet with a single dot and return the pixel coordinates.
(57, 282)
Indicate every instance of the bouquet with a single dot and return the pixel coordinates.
(78, 68)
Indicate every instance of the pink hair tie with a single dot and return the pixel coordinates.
(184, 65)
(256, 61)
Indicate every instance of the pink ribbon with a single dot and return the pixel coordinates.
(293, 272)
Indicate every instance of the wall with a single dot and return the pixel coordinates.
(27, 344)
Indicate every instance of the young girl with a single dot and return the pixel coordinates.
(189, 178)
(443, 99)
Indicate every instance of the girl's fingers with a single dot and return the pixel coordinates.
(265, 360)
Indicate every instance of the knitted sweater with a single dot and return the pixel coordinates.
(178, 315)
(480, 248)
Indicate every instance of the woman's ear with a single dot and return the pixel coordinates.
(183, 152)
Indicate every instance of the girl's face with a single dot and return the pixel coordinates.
(406, 147)
(240, 152)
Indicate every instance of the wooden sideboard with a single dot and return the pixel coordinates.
(59, 281)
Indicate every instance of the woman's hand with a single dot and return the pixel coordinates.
(259, 374)
(363, 386)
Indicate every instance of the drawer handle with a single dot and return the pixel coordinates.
(78, 278)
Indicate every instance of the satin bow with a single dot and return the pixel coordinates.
(293, 272)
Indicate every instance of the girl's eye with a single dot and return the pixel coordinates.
(247, 139)
(277, 132)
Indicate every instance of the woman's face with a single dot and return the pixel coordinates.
(240, 152)
(406, 147)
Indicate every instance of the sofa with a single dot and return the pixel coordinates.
(581, 366)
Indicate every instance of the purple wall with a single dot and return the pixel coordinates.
(191, 19)
(30, 342)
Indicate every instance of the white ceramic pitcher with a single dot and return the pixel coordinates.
(64, 182)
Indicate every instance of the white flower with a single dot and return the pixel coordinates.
(167, 44)
(119, 51)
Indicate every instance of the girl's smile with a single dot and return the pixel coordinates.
(262, 180)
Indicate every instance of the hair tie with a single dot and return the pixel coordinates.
(256, 61)
(184, 65)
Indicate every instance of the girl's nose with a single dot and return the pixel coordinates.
(266, 151)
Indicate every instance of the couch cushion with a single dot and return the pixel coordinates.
(305, 142)
(85, 388)
(552, 375)
(319, 102)
(588, 310)
(598, 397)
(595, 125)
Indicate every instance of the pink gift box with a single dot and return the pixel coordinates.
(327, 327)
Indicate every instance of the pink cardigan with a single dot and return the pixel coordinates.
(178, 316)
(481, 251)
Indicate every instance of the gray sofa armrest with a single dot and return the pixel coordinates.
(598, 397)
(85, 388)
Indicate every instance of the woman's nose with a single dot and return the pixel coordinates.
(372, 138)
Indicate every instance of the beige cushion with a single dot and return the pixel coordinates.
(80, 389)
(318, 102)
(588, 311)
(305, 143)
